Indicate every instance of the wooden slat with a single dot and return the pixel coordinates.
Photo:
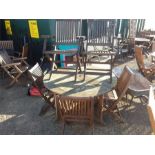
(6, 44)
(79, 108)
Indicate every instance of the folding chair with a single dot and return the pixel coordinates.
(75, 109)
(8, 46)
(37, 76)
(14, 67)
(108, 102)
(147, 71)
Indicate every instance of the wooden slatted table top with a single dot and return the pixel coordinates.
(64, 84)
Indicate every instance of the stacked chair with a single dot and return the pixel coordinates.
(13, 67)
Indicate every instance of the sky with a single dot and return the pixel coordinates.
(149, 24)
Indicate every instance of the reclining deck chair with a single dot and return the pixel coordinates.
(37, 76)
(75, 109)
(14, 67)
(147, 71)
(66, 44)
(100, 37)
(108, 103)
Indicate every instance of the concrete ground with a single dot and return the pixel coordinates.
(19, 115)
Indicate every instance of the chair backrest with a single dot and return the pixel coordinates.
(4, 58)
(139, 57)
(6, 44)
(37, 75)
(67, 31)
(25, 51)
(123, 82)
(100, 32)
(75, 108)
(45, 41)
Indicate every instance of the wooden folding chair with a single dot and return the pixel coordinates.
(147, 71)
(108, 102)
(37, 76)
(14, 67)
(8, 46)
(75, 109)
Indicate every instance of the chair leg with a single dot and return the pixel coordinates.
(50, 75)
(140, 98)
(117, 116)
(126, 97)
(111, 76)
(101, 119)
(63, 128)
(76, 72)
(131, 100)
(84, 69)
(120, 116)
(93, 129)
(14, 80)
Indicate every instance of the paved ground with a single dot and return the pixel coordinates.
(19, 115)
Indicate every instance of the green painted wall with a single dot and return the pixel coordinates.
(21, 34)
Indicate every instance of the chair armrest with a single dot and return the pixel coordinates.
(12, 64)
(16, 59)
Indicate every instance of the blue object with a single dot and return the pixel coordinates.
(65, 47)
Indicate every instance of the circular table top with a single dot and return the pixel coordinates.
(64, 84)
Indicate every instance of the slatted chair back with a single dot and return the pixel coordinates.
(66, 44)
(100, 35)
(139, 57)
(100, 32)
(67, 31)
(6, 44)
(123, 82)
(4, 58)
(75, 109)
